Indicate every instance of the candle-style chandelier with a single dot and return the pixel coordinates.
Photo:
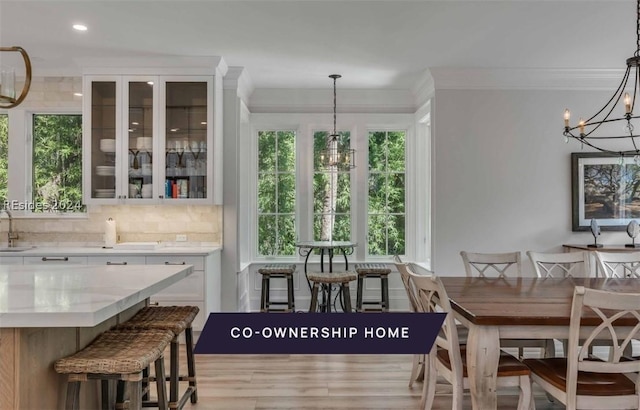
(8, 98)
(611, 129)
(336, 155)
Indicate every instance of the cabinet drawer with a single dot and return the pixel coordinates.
(196, 261)
(189, 288)
(117, 260)
(55, 260)
(10, 260)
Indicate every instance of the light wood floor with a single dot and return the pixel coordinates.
(299, 382)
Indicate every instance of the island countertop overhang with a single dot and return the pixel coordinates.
(79, 295)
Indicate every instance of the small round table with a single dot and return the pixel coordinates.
(306, 248)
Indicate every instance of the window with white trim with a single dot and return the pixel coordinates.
(386, 215)
(372, 202)
(276, 193)
(56, 163)
(331, 193)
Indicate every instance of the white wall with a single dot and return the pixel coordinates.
(502, 178)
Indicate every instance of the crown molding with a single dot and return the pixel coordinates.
(424, 89)
(278, 100)
(238, 78)
(187, 65)
(525, 78)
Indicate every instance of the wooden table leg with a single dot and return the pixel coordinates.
(483, 353)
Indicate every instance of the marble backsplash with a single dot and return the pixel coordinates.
(57, 93)
(139, 223)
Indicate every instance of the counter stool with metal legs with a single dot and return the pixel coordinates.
(177, 319)
(277, 270)
(117, 355)
(373, 270)
(327, 279)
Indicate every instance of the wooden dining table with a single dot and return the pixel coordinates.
(515, 308)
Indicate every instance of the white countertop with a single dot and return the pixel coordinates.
(78, 295)
(99, 251)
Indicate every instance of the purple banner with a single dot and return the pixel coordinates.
(321, 333)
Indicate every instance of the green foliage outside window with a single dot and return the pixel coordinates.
(57, 163)
(4, 157)
(331, 193)
(276, 193)
(386, 214)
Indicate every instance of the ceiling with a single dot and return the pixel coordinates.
(297, 44)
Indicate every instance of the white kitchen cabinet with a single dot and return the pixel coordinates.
(11, 260)
(202, 288)
(55, 260)
(117, 260)
(152, 137)
(186, 140)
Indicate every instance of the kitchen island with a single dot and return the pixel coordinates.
(48, 312)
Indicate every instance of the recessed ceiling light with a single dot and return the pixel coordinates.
(78, 94)
(150, 82)
(134, 123)
(203, 122)
(80, 27)
(174, 129)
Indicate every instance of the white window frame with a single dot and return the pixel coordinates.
(21, 160)
(416, 172)
(406, 196)
(313, 171)
(276, 172)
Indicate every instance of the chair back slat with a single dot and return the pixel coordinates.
(492, 264)
(432, 297)
(614, 311)
(619, 264)
(403, 269)
(561, 265)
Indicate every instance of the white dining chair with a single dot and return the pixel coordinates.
(492, 264)
(501, 265)
(417, 368)
(581, 381)
(619, 264)
(447, 357)
(561, 265)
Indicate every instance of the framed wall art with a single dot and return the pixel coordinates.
(604, 187)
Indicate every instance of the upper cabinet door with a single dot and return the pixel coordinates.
(101, 137)
(188, 139)
(149, 139)
(140, 131)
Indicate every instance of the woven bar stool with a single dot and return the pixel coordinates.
(177, 319)
(117, 355)
(373, 270)
(326, 279)
(277, 270)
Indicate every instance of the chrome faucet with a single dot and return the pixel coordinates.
(11, 236)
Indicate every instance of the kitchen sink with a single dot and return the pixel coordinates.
(15, 248)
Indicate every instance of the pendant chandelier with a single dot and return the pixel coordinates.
(8, 97)
(337, 155)
(611, 129)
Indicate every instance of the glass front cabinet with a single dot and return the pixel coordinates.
(148, 139)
